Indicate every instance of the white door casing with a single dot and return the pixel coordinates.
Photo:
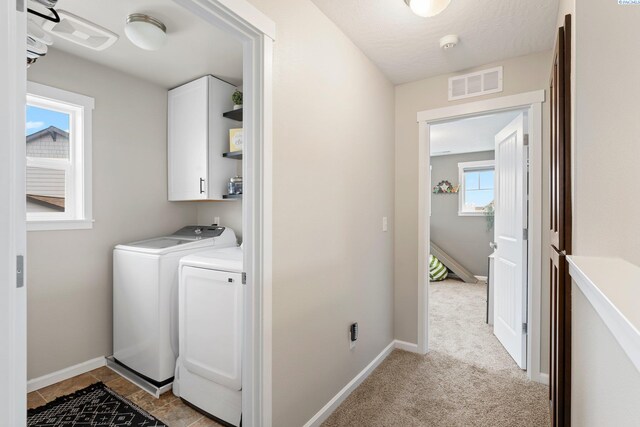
(532, 103)
(13, 298)
(510, 268)
(257, 32)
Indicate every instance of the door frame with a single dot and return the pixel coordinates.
(532, 102)
(13, 235)
(256, 32)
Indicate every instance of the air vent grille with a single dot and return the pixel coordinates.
(475, 84)
(80, 31)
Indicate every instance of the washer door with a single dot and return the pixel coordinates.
(211, 318)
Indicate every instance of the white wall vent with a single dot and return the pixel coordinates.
(475, 84)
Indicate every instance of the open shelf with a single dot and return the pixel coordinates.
(232, 196)
(234, 114)
(233, 155)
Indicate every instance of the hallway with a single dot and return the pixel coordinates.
(467, 378)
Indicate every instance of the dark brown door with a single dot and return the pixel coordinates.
(560, 230)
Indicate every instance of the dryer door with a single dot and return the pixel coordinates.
(211, 307)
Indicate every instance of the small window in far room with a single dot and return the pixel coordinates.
(58, 159)
(476, 187)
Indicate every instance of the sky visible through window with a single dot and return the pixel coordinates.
(41, 118)
(478, 187)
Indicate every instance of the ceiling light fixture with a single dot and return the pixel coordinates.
(427, 8)
(145, 31)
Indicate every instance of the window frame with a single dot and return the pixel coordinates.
(78, 169)
(463, 167)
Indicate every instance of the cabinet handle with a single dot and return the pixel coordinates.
(201, 182)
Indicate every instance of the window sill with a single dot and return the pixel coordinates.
(73, 224)
(471, 214)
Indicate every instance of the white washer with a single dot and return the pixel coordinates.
(209, 369)
(145, 299)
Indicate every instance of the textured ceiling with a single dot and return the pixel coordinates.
(194, 47)
(468, 135)
(406, 47)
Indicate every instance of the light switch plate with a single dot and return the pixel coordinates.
(385, 224)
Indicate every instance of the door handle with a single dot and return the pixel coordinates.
(493, 245)
(201, 182)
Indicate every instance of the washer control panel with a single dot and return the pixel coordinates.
(199, 231)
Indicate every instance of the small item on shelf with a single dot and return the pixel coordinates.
(445, 187)
(235, 139)
(237, 100)
(235, 186)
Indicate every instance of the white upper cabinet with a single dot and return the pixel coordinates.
(198, 134)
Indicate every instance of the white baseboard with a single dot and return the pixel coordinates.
(482, 278)
(333, 404)
(543, 378)
(406, 346)
(65, 374)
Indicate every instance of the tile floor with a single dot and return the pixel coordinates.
(168, 408)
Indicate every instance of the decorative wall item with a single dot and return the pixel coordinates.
(235, 139)
(445, 187)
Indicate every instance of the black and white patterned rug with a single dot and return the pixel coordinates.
(94, 406)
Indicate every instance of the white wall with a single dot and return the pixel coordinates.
(70, 287)
(605, 389)
(607, 130)
(230, 214)
(333, 179)
(606, 149)
(521, 74)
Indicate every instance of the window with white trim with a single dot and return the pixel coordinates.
(58, 150)
(476, 187)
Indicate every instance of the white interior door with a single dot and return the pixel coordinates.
(510, 268)
(13, 301)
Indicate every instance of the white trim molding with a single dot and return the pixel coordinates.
(522, 100)
(406, 346)
(612, 286)
(78, 212)
(531, 102)
(65, 374)
(543, 378)
(333, 404)
(13, 298)
(463, 167)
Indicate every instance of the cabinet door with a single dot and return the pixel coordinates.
(188, 135)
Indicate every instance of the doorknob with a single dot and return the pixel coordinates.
(493, 245)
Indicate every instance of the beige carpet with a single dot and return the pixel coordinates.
(467, 379)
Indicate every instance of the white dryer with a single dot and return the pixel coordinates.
(145, 299)
(209, 368)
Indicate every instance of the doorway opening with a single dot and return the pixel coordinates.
(479, 180)
(67, 147)
(520, 114)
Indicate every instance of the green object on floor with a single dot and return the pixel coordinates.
(437, 270)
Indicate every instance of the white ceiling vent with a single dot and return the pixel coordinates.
(80, 31)
(475, 84)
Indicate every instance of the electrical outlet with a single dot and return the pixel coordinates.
(385, 224)
(216, 220)
(353, 335)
